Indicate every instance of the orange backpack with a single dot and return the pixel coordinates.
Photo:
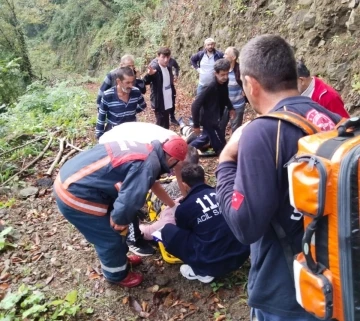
(324, 186)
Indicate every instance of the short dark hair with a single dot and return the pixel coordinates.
(124, 71)
(192, 155)
(270, 60)
(164, 51)
(192, 174)
(221, 65)
(302, 70)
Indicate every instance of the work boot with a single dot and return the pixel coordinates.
(131, 280)
(134, 260)
(174, 121)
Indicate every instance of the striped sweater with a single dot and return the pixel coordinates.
(114, 111)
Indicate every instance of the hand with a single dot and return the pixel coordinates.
(117, 227)
(196, 131)
(151, 70)
(232, 114)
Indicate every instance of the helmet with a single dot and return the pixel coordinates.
(176, 147)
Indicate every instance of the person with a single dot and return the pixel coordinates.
(100, 190)
(203, 61)
(161, 82)
(210, 104)
(121, 103)
(110, 79)
(252, 181)
(201, 237)
(146, 133)
(175, 68)
(319, 91)
(236, 93)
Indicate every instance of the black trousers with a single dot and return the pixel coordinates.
(162, 118)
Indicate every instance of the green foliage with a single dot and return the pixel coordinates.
(8, 204)
(4, 239)
(11, 82)
(61, 106)
(30, 304)
(355, 84)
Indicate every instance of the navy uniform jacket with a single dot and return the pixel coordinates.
(111, 178)
(255, 189)
(202, 238)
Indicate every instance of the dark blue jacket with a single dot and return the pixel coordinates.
(203, 237)
(255, 189)
(196, 58)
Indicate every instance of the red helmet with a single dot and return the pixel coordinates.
(176, 147)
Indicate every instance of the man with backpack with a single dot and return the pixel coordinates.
(252, 182)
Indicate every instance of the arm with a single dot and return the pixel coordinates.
(140, 84)
(241, 184)
(162, 195)
(335, 104)
(105, 86)
(133, 193)
(194, 60)
(197, 104)
(141, 104)
(177, 170)
(102, 112)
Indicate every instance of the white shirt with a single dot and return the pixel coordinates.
(206, 70)
(309, 90)
(138, 132)
(167, 92)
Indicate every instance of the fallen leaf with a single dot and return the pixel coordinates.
(144, 315)
(153, 288)
(196, 295)
(169, 300)
(220, 306)
(193, 307)
(144, 306)
(220, 318)
(37, 239)
(5, 276)
(4, 286)
(135, 305)
(125, 300)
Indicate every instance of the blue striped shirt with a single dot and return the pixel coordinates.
(235, 92)
(114, 111)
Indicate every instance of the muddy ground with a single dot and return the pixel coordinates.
(52, 255)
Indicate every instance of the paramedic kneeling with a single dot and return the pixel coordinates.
(201, 238)
(100, 191)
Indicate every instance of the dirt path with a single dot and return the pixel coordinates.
(53, 256)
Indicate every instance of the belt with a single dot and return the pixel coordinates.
(78, 203)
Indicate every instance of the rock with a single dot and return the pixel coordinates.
(321, 43)
(309, 20)
(28, 191)
(280, 11)
(45, 182)
(4, 190)
(273, 5)
(110, 293)
(3, 212)
(353, 24)
(313, 37)
(296, 20)
(162, 280)
(353, 4)
(337, 72)
(305, 3)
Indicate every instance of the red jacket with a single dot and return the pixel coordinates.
(329, 98)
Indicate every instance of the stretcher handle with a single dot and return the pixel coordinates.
(353, 122)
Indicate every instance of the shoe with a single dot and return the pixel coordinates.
(174, 122)
(187, 272)
(131, 280)
(134, 260)
(208, 152)
(191, 122)
(141, 247)
(181, 122)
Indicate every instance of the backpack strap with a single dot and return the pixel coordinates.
(309, 129)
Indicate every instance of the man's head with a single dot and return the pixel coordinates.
(209, 45)
(191, 175)
(231, 54)
(222, 67)
(268, 67)
(163, 56)
(127, 61)
(304, 78)
(125, 78)
(175, 149)
(192, 156)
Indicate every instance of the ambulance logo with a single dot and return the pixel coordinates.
(320, 120)
(236, 200)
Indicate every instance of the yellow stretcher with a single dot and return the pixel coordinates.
(167, 257)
